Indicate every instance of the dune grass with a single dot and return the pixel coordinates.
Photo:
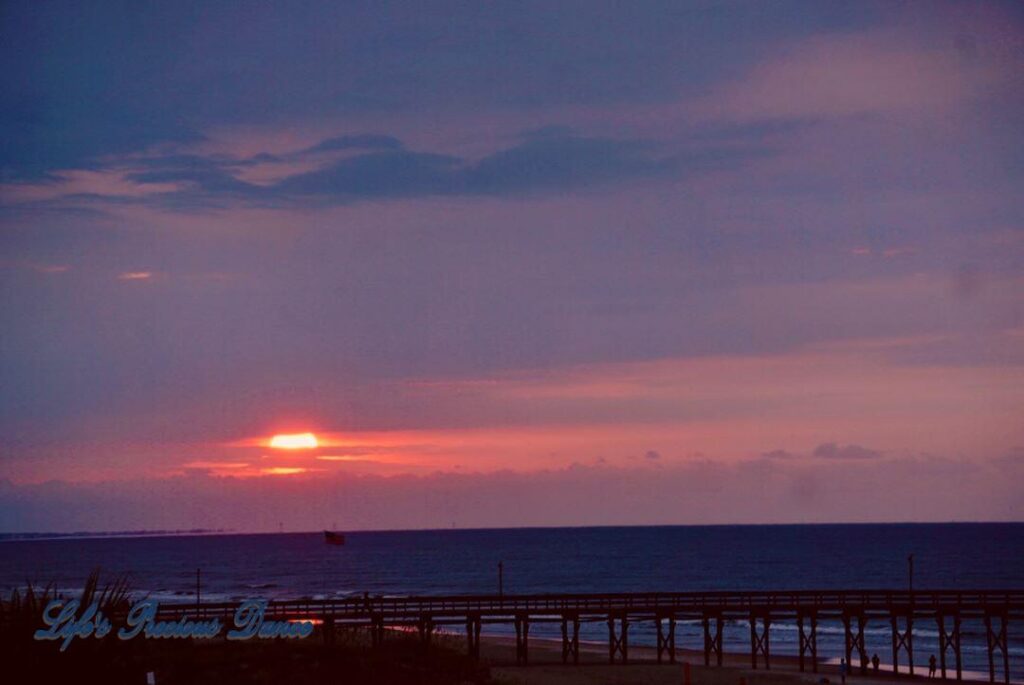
(349, 659)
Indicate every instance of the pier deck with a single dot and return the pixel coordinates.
(899, 610)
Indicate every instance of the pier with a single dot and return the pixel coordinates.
(900, 611)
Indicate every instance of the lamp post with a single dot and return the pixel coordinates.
(910, 572)
(501, 589)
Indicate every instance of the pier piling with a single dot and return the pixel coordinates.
(808, 641)
(666, 640)
(854, 639)
(947, 641)
(713, 640)
(473, 636)
(995, 637)
(618, 641)
(902, 639)
(522, 624)
(570, 641)
(759, 642)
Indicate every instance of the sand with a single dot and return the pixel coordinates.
(546, 668)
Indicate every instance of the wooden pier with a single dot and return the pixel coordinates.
(854, 610)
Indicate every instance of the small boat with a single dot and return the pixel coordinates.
(332, 538)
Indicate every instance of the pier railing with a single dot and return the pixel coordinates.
(968, 603)
(854, 608)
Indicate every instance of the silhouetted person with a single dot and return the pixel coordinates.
(843, 668)
(874, 663)
(931, 666)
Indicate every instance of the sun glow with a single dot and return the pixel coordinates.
(295, 441)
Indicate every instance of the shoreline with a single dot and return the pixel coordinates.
(545, 658)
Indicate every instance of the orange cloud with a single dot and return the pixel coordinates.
(135, 276)
(215, 465)
(283, 471)
(51, 268)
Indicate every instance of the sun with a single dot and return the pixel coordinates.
(294, 441)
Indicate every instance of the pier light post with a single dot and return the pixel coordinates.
(501, 589)
(910, 572)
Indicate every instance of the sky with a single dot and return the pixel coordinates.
(573, 263)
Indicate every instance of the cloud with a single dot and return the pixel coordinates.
(547, 161)
(553, 161)
(214, 466)
(652, 455)
(831, 450)
(564, 162)
(1013, 459)
(106, 87)
(367, 141)
(51, 268)
(857, 73)
(697, 492)
(135, 276)
(538, 164)
(778, 454)
(194, 174)
(374, 175)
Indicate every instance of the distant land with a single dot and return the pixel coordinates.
(5, 537)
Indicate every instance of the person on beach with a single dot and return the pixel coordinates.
(874, 663)
(843, 668)
(931, 666)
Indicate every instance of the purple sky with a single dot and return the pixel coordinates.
(526, 264)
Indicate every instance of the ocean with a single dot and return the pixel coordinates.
(537, 560)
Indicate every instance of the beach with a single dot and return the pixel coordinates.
(546, 668)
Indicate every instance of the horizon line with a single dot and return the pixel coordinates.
(53, 535)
